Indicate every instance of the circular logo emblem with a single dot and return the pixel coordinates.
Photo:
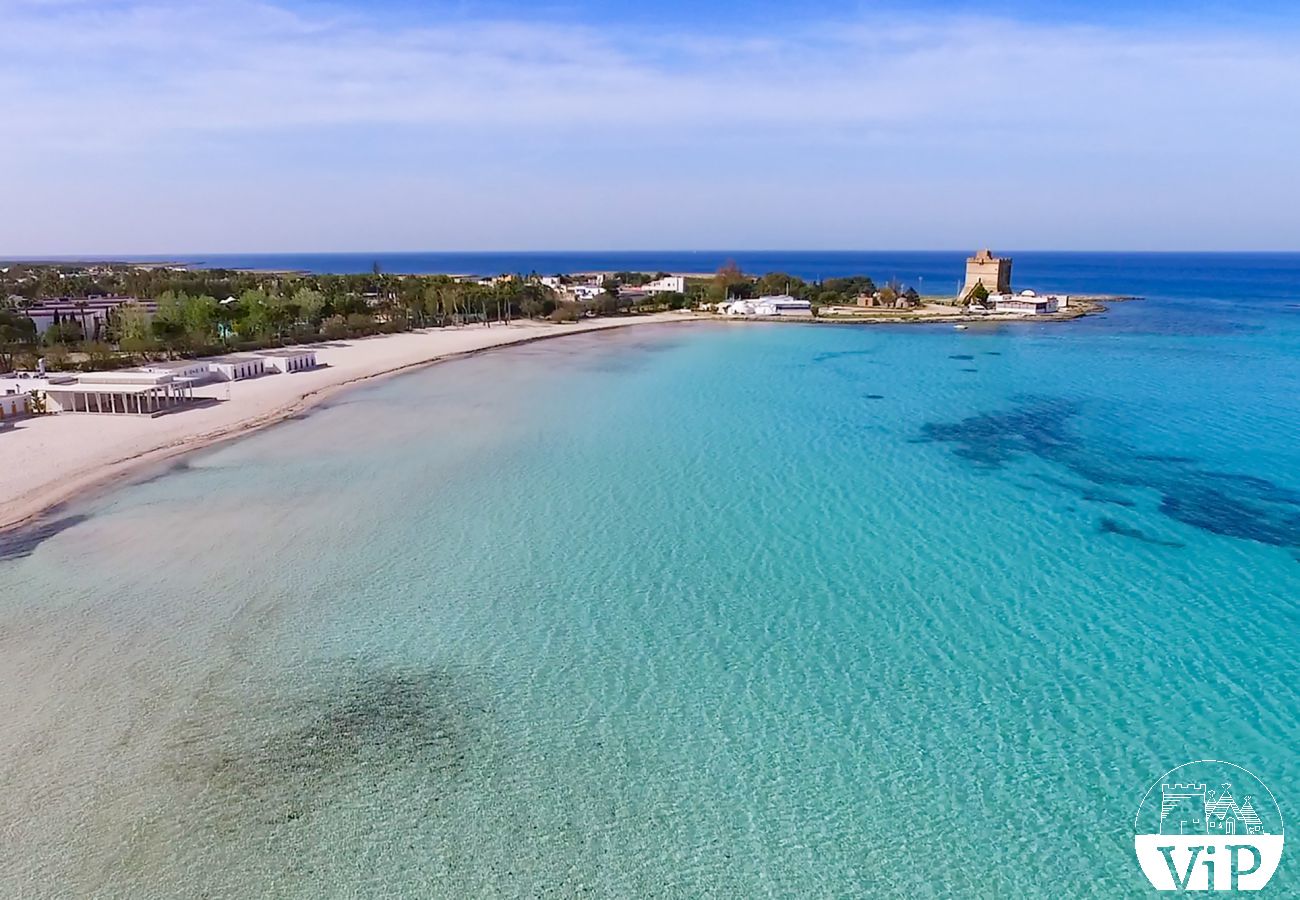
(1208, 826)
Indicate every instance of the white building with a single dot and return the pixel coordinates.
(1026, 302)
(587, 291)
(289, 359)
(236, 368)
(127, 392)
(196, 370)
(91, 313)
(12, 406)
(776, 305)
(26, 382)
(666, 284)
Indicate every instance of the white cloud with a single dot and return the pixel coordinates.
(132, 92)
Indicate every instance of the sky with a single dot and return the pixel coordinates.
(158, 127)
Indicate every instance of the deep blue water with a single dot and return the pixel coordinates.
(936, 271)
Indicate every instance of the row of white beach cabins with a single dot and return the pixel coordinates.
(147, 390)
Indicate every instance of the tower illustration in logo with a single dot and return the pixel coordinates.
(1194, 837)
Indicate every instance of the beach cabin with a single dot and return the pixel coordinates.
(774, 305)
(237, 368)
(196, 370)
(289, 359)
(126, 392)
(12, 406)
(1024, 302)
(782, 305)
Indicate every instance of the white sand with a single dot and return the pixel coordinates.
(46, 460)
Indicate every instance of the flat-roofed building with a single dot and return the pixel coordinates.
(236, 368)
(126, 392)
(774, 305)
(196, 370)
(667, 284)
(90, 313)
(1025, 302)
(289, 359)
(12, 406)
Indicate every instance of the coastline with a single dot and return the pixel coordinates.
(87, 467)
(77, 463)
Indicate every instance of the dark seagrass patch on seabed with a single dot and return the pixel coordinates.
(830, 355)
(340, 730)
(22, 541)
(1110, 526)
(159, 472)
(1222, 503)
(1113, 499)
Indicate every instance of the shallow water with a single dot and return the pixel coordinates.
(748, 611)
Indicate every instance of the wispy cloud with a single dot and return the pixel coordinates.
(154, 80)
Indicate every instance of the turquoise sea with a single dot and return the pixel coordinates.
(684, 611)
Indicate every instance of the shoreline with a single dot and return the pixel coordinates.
(30, 508)
(91, 476)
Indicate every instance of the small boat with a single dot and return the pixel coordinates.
(960, 327)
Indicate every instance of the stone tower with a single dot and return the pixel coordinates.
(987, 269)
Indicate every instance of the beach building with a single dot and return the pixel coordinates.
(665, 285)
(991, 271)
(776, 305)
(91, 313)
(236, 368)
(289, 359)
(1025, 302)
(196, 370)
(26, 382)
(12, 406)
(127, 392)
(783, 305)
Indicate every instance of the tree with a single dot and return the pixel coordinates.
(610, 294)
(17, 333)
(450, 301)
(565, 312)
(335, 327)
(256, 320)
(66, 331)
(728, 282)
(781, 283)
(131, 328)
(977, 295)
(310, 304)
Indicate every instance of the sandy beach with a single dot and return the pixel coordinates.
(47, 460)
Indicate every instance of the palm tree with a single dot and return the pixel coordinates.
(451, 300)
(81, 309)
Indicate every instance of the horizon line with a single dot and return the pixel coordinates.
(166, 256)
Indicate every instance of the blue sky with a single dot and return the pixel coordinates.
(151, 126)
